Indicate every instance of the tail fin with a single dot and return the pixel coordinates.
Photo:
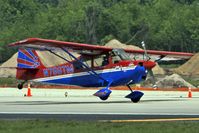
(28, 58)
(28, 64)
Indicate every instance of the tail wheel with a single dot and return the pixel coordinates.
(20, 86)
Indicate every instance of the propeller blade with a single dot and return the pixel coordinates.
(150, 64)
(146, 56)
(153, 78)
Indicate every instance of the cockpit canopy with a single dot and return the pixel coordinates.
(113, 57)
(121, 54)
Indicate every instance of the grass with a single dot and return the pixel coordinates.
(8, 81)
(192, 81)
(50, 126)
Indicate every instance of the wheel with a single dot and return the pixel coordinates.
(135, 100)
(20, 86)
(104, 98)
(135, 96)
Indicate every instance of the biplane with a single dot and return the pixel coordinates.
(97, 66)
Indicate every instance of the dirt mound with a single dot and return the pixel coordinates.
(157, 70)
(48, 59)
(12, 63)
(173, 81)
(190, 68)
(117, 44)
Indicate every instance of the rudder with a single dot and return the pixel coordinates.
(28, 64)
(28, 58)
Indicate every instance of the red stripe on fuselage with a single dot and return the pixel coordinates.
(21, 61)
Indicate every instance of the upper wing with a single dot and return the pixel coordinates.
(81, 48)
(46, 44)
(165, 55)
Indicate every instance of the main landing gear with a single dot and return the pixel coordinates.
(103, 94)
(20, 85)
(135, 96)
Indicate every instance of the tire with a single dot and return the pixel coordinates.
(104, 98)
(135, 100)
(20, 86)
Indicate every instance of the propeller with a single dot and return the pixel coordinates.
(145, 52)
(149, 64)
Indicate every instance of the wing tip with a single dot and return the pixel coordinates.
(25, 41)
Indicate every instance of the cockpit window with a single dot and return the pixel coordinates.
(85, 60)
(120, 54)
(101, 60)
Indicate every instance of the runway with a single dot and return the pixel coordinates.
(81, 105)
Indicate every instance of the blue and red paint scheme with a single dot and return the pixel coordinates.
(123, 72)
(76, 72)
(30, 67)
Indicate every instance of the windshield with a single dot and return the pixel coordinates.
(121, 54)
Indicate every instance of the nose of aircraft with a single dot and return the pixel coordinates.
(149, 64)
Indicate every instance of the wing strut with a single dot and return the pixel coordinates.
(59, 56)
(71, 55)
